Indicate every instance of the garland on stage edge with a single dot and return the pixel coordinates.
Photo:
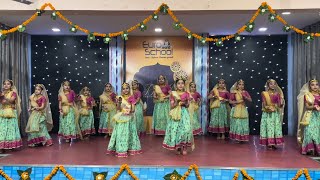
(300, 172)
(122, 168)
(245, 175)
(4, 175)
(55, 170)
(164, 9)
(25, 175)
(196, 170)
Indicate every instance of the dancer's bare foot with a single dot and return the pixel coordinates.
(184, 152)
(223, 136)
(218, 136)
(178, 152)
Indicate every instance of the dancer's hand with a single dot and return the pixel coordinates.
(239, 102)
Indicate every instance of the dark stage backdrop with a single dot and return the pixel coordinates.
(254, 59)
(55, 59)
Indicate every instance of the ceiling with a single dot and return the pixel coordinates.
(213, 22)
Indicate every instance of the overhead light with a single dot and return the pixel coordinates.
(158, 30)
(286, 13)
(263, 29)
(55, 29)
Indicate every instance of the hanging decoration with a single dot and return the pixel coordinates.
(25, 175)
(55, 170)
(100, 175)
(165, 10)
(123, 168)
(172, 176)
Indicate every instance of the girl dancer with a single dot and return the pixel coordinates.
(194, 109)
(239, 123)
(10, 110)
(138, 112)
(40, 120)
(124, 139)
(179, 131)
(69, 115)
(309, 118)
(161, 96)
(220, 109)
(86, 103)
(107, 110)
(271, 120)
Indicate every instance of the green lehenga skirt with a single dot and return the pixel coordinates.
(239, 128)
(42, 136)
(179, 133)
(219, 119)
(311, 137)
(124, 140)
(9, 132)
(138, 115)
(271, 129)
(160, 117)
(87, 124)
(105, 123)
(67, 126)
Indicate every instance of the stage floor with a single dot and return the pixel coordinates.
(209, 152)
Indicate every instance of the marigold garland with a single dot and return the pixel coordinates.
(184, 177)
(55, 170)
(196, 170)
(300, 172)
(122, 168)
(171, 14)
(4, 175)
(235, 177)
(245, 174)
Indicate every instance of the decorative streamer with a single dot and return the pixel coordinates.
(164, 9)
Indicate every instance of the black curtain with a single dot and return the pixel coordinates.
(254, 59)
(59, 58)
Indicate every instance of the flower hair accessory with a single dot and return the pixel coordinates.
(175, 67)
(192, 83)
(125, 85)
(313, 80)
(135, 82)
(241, 81)
(181, 75)
(67, 83)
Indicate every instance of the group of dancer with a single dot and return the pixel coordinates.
(175, 115)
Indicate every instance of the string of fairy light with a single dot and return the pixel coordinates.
(165, 10)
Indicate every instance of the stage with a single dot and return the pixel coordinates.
(216, 159)
(209, 152)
